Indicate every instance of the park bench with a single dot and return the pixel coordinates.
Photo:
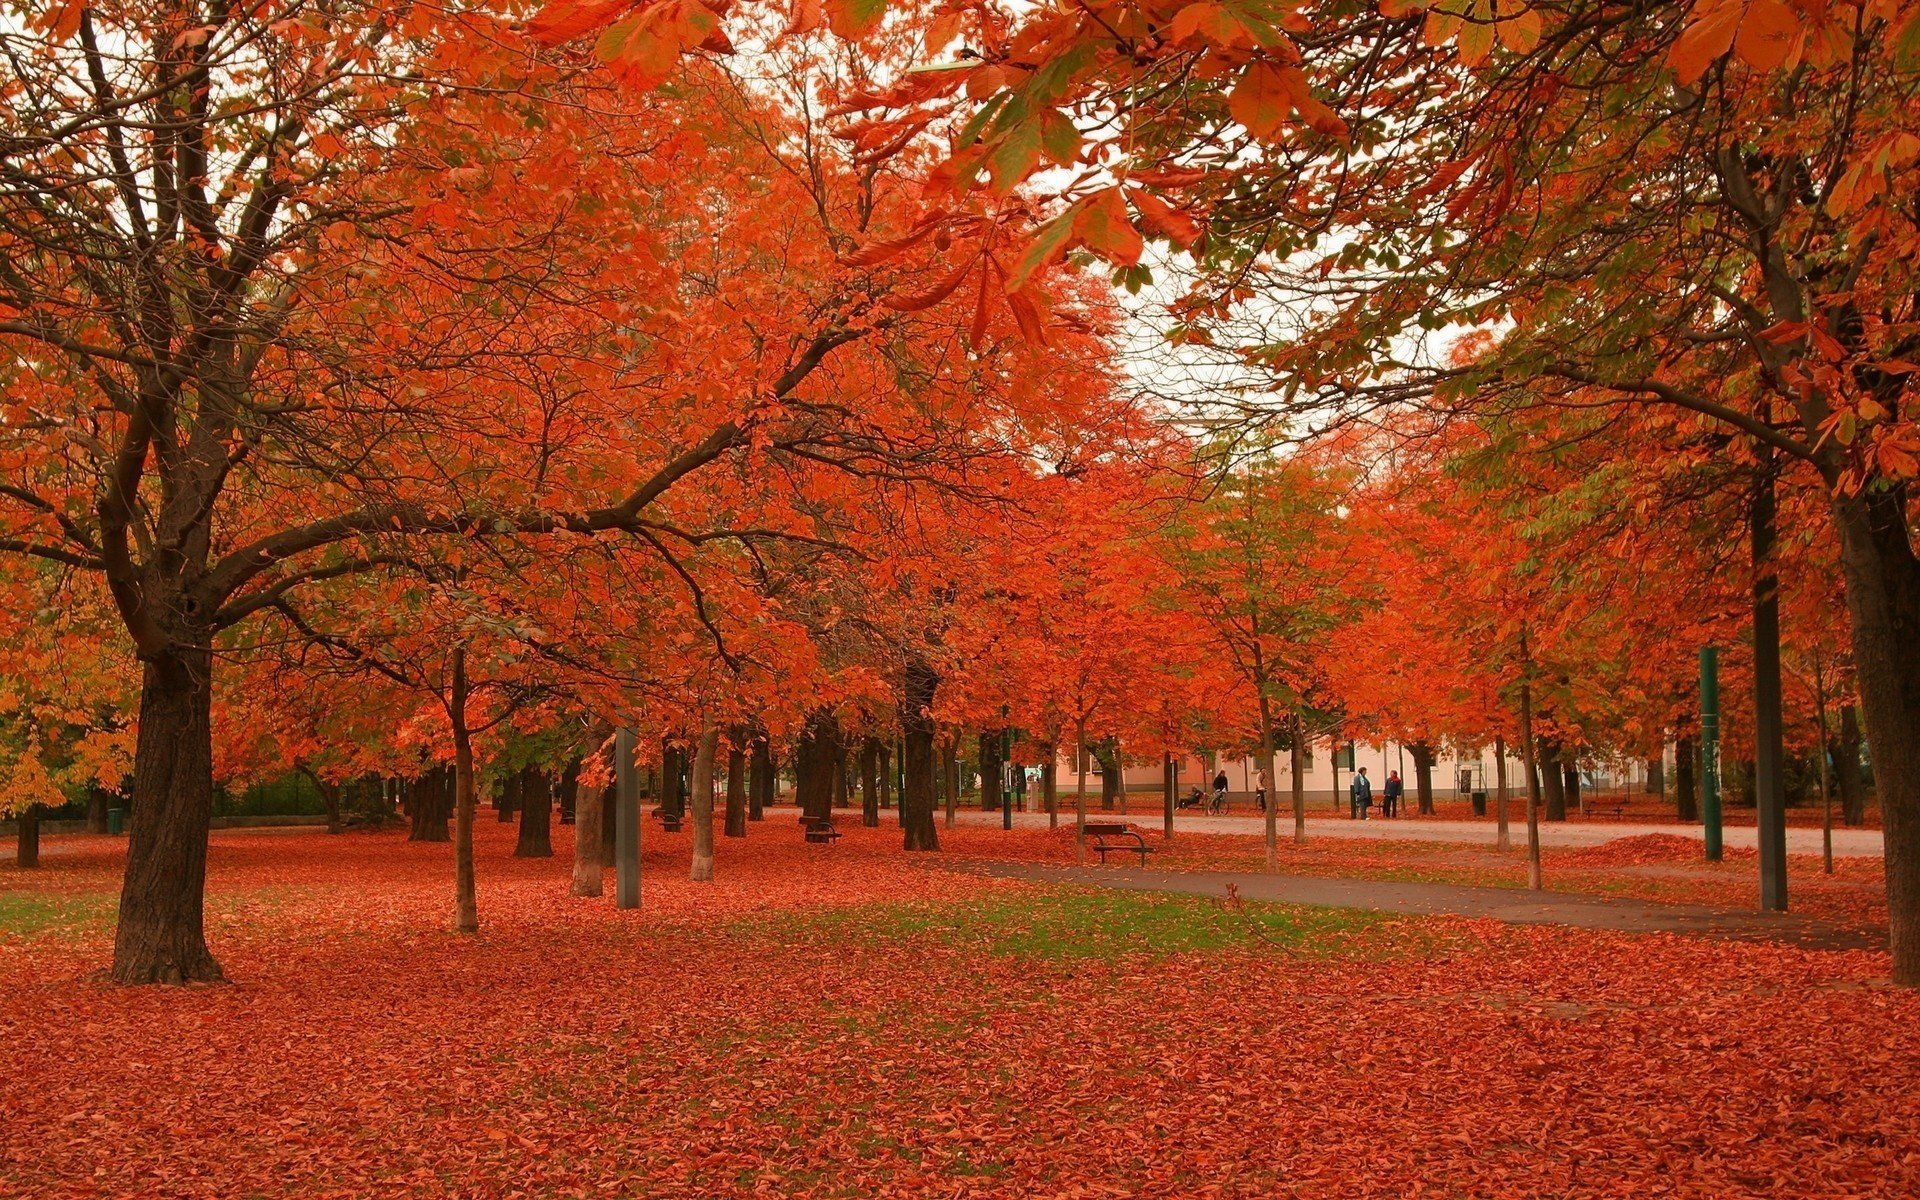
(669, 821)
(819, 830)
(1101, 833)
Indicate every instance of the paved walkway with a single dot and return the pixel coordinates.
(1512, 905)
(1847, 843)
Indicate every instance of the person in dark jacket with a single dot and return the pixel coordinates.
(1360, 791)
(1390, 793)
(1219, 791)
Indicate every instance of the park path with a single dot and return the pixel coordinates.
(1847, 843)
(1512, 905)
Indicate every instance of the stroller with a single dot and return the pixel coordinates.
(1193, 799)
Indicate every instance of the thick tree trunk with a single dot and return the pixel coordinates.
(842, 777)
(760, 778)
(506, 802)
(589, 843)
(1110, 778)
(1686, 795)
(1570, 776)
(26, 851)
(917, 757)
(161, 933)
(1552, 782)
(1657, 776)
(1050, 785)
(1883, 600)
(1423, 775)
(703, 761)
(672, 798)
(737, 787)
(1847, 775)
(432, 807)
(870, 782)
(568, 794)
(814, 774)
(990, 774)
(466, 909)
(535, 795)
(886, 773)
(97, 804)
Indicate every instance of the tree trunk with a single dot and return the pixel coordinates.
(737, 785)
(870, 782)
(431, 810)
(568, 794)
(1270, 803)
(1686, 796)
(1422, 776)
(161, 934)
(950, 778)
(535, 795)
(1504, 840)
(1883, 600)
(506, 802)
(990, 771)
(1847, 775)
(813, 767)
(673, 799)
(760, 778)
(1050, 785)
(1167, 797)
(1570, 774)
(1657, 776)
(1552, 782)
(329, 796)
(1297, 767)
(26, 852)
(886, 773)
(917, 757)
(1080, 796)
(1110, 779)
(97, 805)
(703, 805)
(1529, 754)
(589, 844)
(466, 910)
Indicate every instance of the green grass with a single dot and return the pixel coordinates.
(1067, 924)
(27, 914)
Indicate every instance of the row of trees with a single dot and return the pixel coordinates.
(383, 385)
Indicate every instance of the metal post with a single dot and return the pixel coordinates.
(1710, 750)
(1769, 785)
(626, 822)
(1006, 776)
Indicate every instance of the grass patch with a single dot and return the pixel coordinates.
(29, 914)
(1069, 923)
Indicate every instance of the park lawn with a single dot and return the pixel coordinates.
(852, 1022)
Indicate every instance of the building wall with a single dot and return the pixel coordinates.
(1318, 777)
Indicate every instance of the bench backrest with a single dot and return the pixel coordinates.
(1107, 830)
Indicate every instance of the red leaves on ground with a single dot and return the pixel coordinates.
(724, 1042)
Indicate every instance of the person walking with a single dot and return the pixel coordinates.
(1360, 792)
(1390, 794)
(1262, 782)
(1220, 790)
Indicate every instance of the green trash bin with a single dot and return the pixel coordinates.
(1479, 803)
(116, 821)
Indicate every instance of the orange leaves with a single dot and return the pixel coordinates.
(564, 20)
(1475, 26)
(1764, 34)
(643, 46)
(1268, 93)
(855, 19)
